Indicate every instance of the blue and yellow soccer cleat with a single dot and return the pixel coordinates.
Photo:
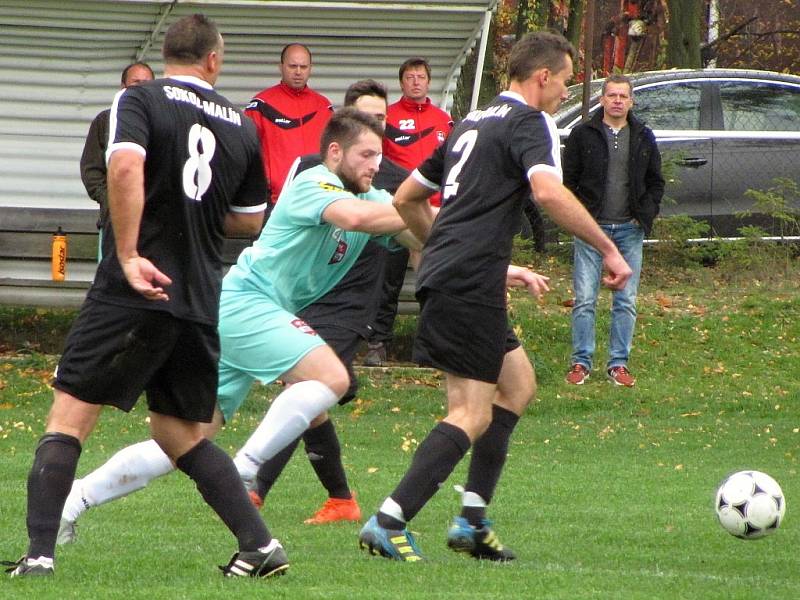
(479, 542)
(397, 544)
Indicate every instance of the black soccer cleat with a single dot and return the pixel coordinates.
(29, 567)
(264, 562)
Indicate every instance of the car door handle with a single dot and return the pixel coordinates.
(692, 162)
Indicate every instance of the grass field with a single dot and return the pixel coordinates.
(607, 493)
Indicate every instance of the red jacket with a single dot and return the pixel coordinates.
(413, 132)
(289, 124)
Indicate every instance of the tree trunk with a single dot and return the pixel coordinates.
(575, 22)
(683, 34)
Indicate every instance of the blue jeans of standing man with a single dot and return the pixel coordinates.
(586, 275)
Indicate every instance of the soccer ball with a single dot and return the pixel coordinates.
(750, 504)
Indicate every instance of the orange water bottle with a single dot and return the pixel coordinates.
(58, 264)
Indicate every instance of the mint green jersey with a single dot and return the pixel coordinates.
(299, 257)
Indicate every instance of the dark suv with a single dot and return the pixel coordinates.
(724, 131)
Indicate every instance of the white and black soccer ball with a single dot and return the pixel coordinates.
(750, 504)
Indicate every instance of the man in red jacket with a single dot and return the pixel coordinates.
(414, 126)
(289, 117)
(414, 129)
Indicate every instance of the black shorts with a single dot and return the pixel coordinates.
(113, 353)
(461, 338)
(345, 343)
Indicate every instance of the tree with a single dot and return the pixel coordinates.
(575, 22)
(683, 34)
(757, 35)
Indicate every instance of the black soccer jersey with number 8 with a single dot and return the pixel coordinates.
(202, 160)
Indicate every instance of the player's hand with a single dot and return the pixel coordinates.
(618, 271)
(145, 278)
(522, 277)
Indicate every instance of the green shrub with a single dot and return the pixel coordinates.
(673, 247)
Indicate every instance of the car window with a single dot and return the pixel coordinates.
(575, 97)
(759, 106)
(669, 106)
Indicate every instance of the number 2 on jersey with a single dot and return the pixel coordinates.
(464, 144)
(197, 169)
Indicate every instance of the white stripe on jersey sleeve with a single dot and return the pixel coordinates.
(124, 146)
(542, 168)
(555, 141)
(249, 209)
(555, 152)
(424, 180)
(111, 147)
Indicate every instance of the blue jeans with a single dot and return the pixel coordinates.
(586, 276)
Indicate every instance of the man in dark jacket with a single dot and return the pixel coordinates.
(613, 165)
(93, 158)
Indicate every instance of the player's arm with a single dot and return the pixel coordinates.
(567, 211)
(352, 214)
(408, 240)
(126, 203)
(243, 224)
(411, 201)
(535, 283)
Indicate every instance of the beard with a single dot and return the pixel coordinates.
(350, 183)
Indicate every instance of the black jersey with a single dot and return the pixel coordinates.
(202, 160)
(483, 169)
(353, 302)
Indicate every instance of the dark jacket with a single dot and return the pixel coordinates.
(93, 163)
(586, 166)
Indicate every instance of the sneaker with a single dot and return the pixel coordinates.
(255, 499)
(397, 544)
(67, 532)
(621, 376)
(479, 542)
(30, 567)
(336, 509)
(577, 374)
(376, 354)
(268, 561)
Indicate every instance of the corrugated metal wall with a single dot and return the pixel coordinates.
(60, 64)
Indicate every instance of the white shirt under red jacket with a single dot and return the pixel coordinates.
(413, 132)
(289, 124)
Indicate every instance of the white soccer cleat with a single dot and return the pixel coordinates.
(67, 532)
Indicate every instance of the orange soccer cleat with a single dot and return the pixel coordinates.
(336, 509)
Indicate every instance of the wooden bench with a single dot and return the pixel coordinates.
(25, 245)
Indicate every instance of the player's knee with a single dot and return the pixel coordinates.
(351, 392)
(338, 380)
(473, 420)
(481, 423)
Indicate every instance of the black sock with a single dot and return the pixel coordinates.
(270, 470)
(218, 482)
(49, 482)
(325, 454)
(434, 460)
(488, 458)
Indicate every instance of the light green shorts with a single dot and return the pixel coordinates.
(259, 341)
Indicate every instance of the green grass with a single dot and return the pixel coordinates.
(607, 492)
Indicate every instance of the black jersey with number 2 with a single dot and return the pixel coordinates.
(202, 160)
(483, 171)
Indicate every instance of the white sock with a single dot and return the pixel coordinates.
(130, 469)
(286, 419)
(469, 498)
(392, 509)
